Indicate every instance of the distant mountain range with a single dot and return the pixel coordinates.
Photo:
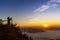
(54, 28)
(32, 30)
(36, 30)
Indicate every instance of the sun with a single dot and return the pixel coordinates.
(45, 25)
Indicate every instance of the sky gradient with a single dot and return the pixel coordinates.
(31, 12)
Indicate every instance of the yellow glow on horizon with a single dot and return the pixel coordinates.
(45, 25)
(37, 24)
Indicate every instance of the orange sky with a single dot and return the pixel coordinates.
(38, 24)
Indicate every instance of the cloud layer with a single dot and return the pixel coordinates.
(45, 7)
(58, 1)
(50, 4)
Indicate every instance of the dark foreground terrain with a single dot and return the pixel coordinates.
(10, 31)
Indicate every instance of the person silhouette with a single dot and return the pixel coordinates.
(8, 20)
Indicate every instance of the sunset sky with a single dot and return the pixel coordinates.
(31, 12)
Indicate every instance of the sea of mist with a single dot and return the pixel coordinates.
(48, 35)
